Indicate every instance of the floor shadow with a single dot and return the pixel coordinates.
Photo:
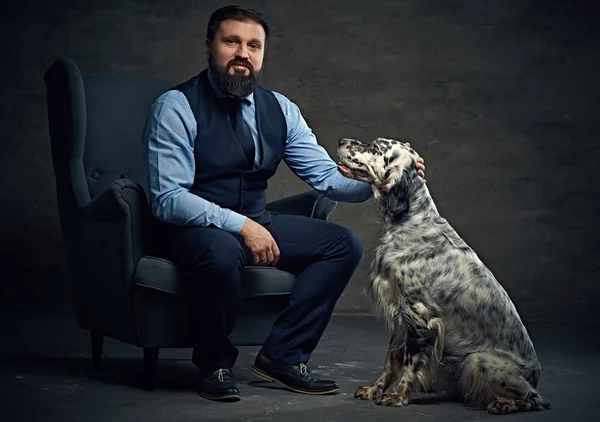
(172, 375)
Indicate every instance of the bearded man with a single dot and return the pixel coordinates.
(212, 143)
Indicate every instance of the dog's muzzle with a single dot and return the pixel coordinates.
(347, 148)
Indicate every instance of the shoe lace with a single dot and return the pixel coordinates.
(303, 369)
(220, 373)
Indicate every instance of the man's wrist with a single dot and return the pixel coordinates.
(235, 222)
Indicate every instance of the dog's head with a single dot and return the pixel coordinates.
(387, 164)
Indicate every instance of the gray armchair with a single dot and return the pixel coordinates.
(120, 288)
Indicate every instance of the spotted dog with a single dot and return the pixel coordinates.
(454, 329)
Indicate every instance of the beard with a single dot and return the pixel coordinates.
(239, 84)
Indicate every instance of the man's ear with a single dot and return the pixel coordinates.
(396, 200)
(207, 45)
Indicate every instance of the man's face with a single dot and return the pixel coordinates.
(236, 56)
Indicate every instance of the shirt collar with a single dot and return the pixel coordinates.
(219, 92)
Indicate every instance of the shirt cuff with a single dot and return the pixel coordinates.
(234, 222)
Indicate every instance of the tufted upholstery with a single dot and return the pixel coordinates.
(120, 289)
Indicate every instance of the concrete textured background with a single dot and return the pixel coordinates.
(500, 98)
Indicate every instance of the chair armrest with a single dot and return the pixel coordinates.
(109, 245)
(123, 203)
(114, 203)
(310, 204)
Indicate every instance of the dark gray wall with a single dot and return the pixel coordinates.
(500, 97)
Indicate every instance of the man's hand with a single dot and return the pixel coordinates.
(420, 165)
(260, 242)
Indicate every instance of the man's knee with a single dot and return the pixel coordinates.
(355, 247)
(351, 245)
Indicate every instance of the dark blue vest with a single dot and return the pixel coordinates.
(223, 175)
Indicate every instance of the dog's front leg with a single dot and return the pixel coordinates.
(391, 369)
(402, 393)
(422, 353)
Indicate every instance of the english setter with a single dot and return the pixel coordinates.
(453, 326)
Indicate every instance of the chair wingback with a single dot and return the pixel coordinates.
(66, 123)
(96, 125)
(117, 109)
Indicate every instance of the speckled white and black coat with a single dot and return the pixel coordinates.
(454, 328)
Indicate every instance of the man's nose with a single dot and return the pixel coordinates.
(242, 52)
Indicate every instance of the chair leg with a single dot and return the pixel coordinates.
(150, 366)
(97, 346)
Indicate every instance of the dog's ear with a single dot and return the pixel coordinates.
(396, 201)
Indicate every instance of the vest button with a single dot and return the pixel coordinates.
(243, 192)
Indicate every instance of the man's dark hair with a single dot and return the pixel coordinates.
(239, 13)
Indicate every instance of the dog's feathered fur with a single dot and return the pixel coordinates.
(454, 327)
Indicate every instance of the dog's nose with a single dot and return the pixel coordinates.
(343, 141)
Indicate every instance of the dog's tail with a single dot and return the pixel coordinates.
(489, 375)
(531, 370)
(539, 402)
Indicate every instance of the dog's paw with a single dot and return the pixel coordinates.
(378, 393)
(502, 407)
(364, 393)
(393, 399)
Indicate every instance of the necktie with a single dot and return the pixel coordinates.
(241, 128)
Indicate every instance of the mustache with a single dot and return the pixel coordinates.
(240, 63)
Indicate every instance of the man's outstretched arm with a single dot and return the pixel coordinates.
(169, 156)
(311, 162)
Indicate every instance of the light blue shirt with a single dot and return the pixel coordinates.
(169, 147)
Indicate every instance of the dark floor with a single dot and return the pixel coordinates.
(45, 375)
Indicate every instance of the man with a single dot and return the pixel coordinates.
(212, 144)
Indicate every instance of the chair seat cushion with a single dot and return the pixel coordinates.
(162, 275)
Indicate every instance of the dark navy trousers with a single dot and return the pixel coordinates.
(322, 254)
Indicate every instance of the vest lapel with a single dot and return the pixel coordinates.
(270, 141)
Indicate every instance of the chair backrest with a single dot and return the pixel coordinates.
(96, 126)
(117, 109)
